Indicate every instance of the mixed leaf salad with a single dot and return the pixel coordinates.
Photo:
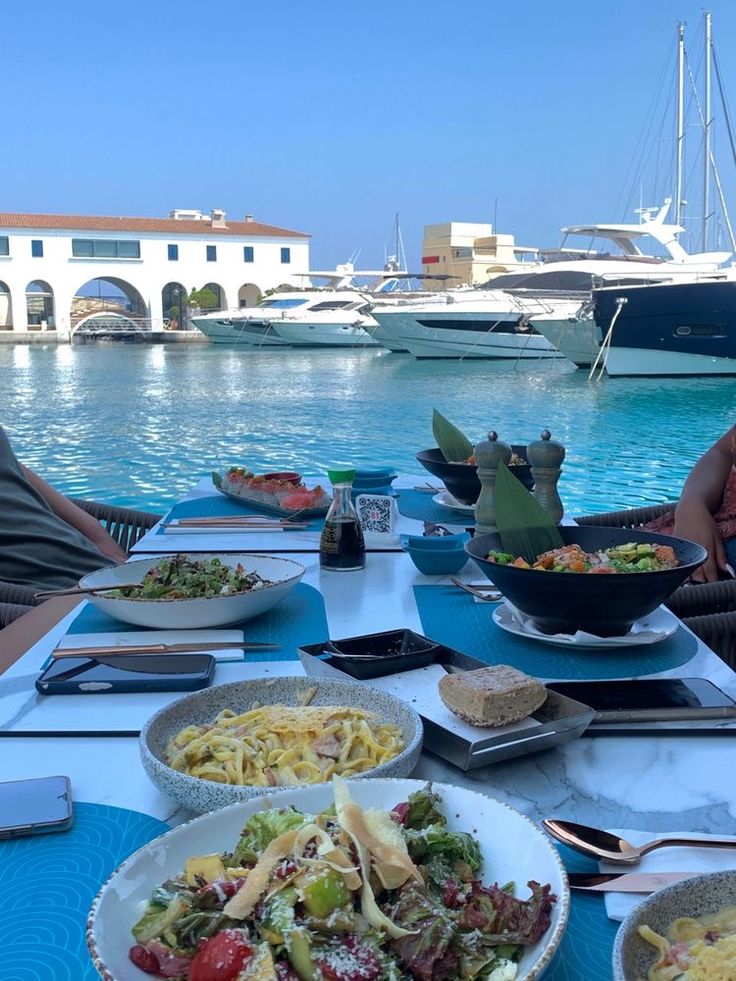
(631, 557)
(351, 894)
(180, 577)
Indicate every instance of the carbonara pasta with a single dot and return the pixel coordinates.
(702, 949)
(281, 745)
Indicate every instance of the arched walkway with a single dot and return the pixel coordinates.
(40, 305)
(6, 307)
(219, 294)
(173, 301)
(249, 295)
(108, 295)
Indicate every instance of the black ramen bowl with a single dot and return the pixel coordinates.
(461, 479)
(604, 605)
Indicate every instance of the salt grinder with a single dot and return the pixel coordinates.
(488, 455)
(545, 457)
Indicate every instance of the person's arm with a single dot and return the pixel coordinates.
(66, 510)
(701, 497)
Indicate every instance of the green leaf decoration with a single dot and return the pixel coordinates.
(216, 479)
(525, 527)
(455, 446)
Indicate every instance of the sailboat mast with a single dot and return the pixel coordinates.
(706, 133)
(680, 120)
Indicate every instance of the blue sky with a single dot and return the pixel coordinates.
(330, 117)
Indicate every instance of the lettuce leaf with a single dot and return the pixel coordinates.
(261, 829)
(504, 919)
(457, 848)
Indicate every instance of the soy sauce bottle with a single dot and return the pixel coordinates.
(342, 546)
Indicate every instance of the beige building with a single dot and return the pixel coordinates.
(469, 253)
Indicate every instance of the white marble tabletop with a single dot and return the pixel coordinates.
(650, 783)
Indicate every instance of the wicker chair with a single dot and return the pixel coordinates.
(125, 525)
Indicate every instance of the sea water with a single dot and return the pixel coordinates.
(138, 425)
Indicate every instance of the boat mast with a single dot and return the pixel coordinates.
(706, 134)
(680, 121)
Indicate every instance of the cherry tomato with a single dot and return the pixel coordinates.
(146, 960)
(221, 958)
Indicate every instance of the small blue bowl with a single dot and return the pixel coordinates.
(434, 543)
(438, 562)
(373, 481)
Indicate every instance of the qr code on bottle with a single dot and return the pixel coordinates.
(375, 513)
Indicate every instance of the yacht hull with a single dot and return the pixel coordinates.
(576, 339)
(670, 329)
(304, 333)
(248, 333)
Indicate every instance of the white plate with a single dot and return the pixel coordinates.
(513, 848)
(446, 499)
(184, 614)
(652, 629)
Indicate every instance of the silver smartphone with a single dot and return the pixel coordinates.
(33, 807)
(650, 699)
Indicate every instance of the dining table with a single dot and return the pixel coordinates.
(674, 779)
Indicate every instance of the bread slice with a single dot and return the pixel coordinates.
(493, 696)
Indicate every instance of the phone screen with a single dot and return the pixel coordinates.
(26, 804)
(126, 673)
(640, 696)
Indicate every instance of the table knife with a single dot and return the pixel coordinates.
(183, 648)
(625, 881)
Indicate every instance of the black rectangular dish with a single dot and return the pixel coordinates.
(408, 665)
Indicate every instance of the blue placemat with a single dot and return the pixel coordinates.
(48, 882)
(219, 506)
(419, 505)
(587, 944)
(453, 618)
(298, 619)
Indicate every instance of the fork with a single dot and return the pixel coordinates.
(489, 593)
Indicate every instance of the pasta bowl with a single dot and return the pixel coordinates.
(699, 896)
(512, 847)
(182, 614)
(198, 794)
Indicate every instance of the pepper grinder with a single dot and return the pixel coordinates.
(545, 457)
(488, 455)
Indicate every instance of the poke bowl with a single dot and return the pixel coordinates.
(603, 605)
(199, 793)
(274, 578)
(511, 848)
(461, 479)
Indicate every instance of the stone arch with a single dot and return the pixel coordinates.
(40, 312)
(219, 294)
(249, 295)
(108, 294)
(173, 303)
(6, 307)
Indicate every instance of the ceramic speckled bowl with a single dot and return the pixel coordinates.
(241, 696)
(703, 894)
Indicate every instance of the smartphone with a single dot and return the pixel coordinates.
(126, 673)
(35, 807)
(650, 700)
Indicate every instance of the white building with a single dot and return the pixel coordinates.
(142, 268)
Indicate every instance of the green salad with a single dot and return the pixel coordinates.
(351, 894)
(182, 578)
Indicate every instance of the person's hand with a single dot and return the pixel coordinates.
(695, 522)
(111, 550)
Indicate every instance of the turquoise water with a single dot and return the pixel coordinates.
(139, 424)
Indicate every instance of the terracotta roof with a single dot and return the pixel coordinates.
(110, 223)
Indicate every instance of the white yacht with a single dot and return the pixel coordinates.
(500, 320)
(331, 316)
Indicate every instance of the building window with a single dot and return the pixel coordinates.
(105, 248)
(4, 245)
(173, 253)
(248, 253)
(211, 253)
(286, 255)
(37, 248)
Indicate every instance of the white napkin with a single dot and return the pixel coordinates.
(640, 630)
(677, 859)
(132, 637)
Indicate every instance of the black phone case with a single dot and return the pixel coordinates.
(138, 683)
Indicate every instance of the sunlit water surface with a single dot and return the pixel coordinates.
(139, 424)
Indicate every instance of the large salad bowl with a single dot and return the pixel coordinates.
(182, 614)
(512, 847)
(461, 479)
(604, 605)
